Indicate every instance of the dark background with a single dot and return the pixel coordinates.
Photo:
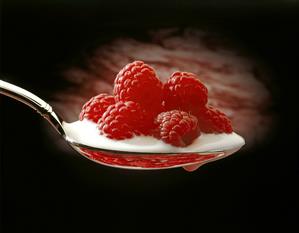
(46, 190)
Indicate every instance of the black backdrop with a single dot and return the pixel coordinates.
(46, 190)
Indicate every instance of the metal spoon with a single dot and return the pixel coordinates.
(113, 157)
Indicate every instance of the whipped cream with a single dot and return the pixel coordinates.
(86, 132)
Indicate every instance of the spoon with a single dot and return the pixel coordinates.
(112, 156)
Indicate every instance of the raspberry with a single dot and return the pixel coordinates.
(185, 92)
(177, 127)
(123, 120)
(138, 82)
(96, 106)
(211, 120)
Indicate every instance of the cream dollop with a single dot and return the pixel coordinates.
(85, 132)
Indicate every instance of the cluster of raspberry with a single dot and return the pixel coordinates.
(175, 112)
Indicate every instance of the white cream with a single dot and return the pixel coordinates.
(85, 132)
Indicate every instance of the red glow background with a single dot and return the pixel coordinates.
(235, 80)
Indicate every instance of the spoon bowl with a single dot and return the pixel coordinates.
(115, 157)
(146, 161)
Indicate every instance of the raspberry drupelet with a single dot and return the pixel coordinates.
(184, 91)
(177, 128)
(123, 120)
(212, 120)
(138, 82)
(96, 106)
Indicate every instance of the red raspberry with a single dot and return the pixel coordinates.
(123, 120)
(185, 92)
(177, 127)
(138, 82)
(211, 120)
(96, 106)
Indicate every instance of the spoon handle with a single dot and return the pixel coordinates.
(33, 101)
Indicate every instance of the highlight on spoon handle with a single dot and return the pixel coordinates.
(33, 101)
